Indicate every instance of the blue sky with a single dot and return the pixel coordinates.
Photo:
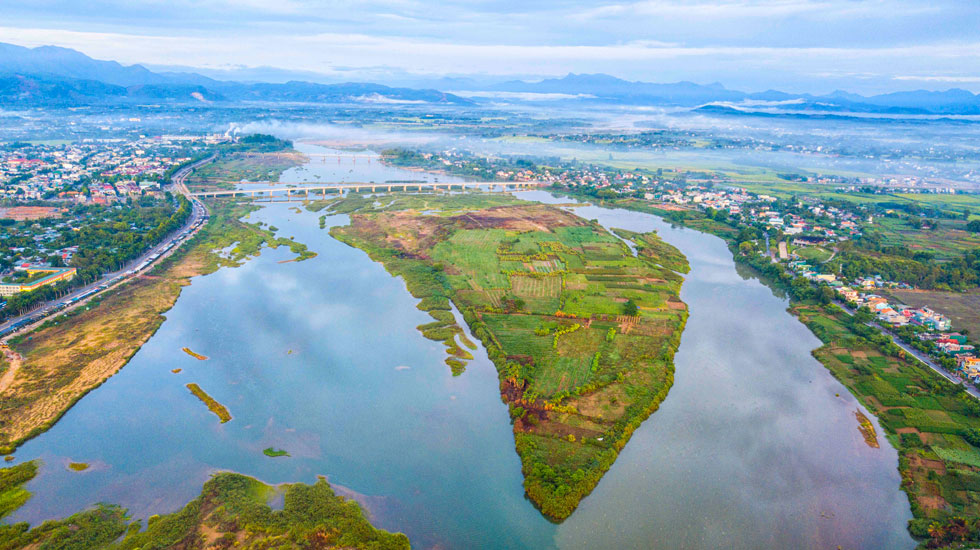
(793, 45)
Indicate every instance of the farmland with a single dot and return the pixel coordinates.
(934, 425)
(582, 332)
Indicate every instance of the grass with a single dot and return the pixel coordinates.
(269, 451)
(231, 511)
(12, 492)
(543, 290)
(217, 408)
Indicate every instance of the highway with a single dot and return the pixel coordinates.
(135, 268)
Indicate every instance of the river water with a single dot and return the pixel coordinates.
(756, 446)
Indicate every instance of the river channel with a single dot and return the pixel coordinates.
(756, 446)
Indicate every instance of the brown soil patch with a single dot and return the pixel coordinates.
(14, 362)
(519, 218)
(919, 463)
(932, 502)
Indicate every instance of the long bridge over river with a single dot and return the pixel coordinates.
(302, 189)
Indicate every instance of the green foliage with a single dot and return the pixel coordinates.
(217, 408)
(12, 493)
(231, 506)
(271, 452)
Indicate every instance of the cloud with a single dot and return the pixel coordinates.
(768, 9)
(758, 44)
(950, 79)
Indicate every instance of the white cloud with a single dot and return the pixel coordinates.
(652, 60)
(949, 79)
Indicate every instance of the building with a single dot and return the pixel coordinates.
(54, 274)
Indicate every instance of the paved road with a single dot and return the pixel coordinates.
(134, 268)
(922, 357)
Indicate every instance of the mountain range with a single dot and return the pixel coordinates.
(51, 75)
(54, 76)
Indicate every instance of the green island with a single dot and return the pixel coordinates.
(933, 424)
(271, 452)
(581, 331)
(217, 408)
(78, 466)
(232, 511)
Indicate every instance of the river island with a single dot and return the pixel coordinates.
(581, 329)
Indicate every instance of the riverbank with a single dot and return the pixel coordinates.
(930, 422)
(581, 331)
(72, 354)
(232, 510)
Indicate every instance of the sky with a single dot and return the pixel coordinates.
(793, 45)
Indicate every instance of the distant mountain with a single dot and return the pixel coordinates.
(17, 89)
(609, 88)
(603, 88)
(308, 92)
(50, 75)
(63, 62)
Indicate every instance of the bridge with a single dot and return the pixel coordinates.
(303, 190)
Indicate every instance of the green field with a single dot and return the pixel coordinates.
(582, 331)
(934, 425)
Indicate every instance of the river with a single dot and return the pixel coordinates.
(756, 446)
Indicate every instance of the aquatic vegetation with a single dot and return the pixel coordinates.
(12, 492)
(867, 429)
(197, 356)
(269, 451)
(215, 407)
(544, 291)
(232, 510)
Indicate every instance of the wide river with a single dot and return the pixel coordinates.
(756, 446)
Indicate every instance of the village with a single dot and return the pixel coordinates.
(98, 171)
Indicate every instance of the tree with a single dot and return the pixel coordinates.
(826, 295)
(629, 308)
(973, 226)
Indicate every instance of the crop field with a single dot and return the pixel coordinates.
(934, 425)
(582, 332)
(949, 240)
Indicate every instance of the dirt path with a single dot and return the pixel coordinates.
(14, 361)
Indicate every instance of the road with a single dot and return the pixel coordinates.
(922, 357)
(134, 268)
